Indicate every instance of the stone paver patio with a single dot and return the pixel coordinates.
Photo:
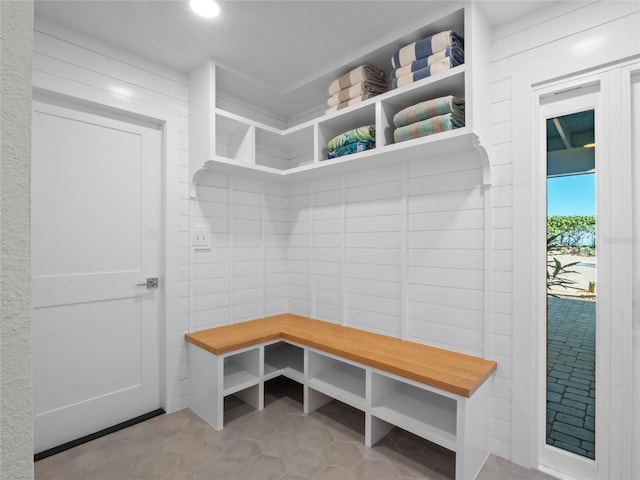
(571, 375)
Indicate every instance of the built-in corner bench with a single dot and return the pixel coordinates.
(437, 394)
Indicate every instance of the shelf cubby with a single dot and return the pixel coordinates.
(284, 359)
(284, 150)
(415, 409)
(234, 138)
(338, 379)
(241, 370)
(343, 121)
(450, 83)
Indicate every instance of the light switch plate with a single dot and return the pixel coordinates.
(201, 239)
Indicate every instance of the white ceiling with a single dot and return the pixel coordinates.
(278, 55)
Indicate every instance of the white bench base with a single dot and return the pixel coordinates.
(455, 422)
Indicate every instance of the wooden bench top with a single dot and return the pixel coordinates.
(451, 371)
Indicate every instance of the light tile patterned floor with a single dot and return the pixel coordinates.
(278, 443)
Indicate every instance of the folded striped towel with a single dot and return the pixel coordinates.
(350, 102)
(427, 109)
(425, 47)
(351, 148)
(437, 124)
(355, 91)
(443, 65)
(456, 53)
(365, 72)
(366, 133)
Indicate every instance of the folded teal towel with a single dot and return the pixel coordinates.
(428, 109)
(440, 123)
(350, 148)
(366, 133)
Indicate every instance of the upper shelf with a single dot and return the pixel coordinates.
(240, 145)
(442, 144)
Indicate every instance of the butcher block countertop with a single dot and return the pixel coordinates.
(444, 369)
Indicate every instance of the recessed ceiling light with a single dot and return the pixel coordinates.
(205, 8)
(589, 145)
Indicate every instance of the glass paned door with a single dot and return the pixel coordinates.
(571, 284)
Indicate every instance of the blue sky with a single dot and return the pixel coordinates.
(571, 195)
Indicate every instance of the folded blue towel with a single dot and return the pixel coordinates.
(440, 66)
(455, 52)
(425, 47)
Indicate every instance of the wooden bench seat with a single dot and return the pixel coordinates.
(451, 371)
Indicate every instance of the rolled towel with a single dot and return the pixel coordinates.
(440, 123)
(348, 103)
(366, 133)
(440, 66)
(456, 54)
(355, 91)
(427, 109)
(425, 47)
(365, 72)
(351, 148)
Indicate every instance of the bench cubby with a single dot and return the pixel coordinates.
(241, 370)
(283, 358)
(414, 408)
(336, 378)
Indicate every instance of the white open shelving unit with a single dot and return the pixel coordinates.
(453, 421)
(230, 143)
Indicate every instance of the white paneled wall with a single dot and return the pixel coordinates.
(502, 264)
(243, 276)
(396, 250)
(299, 249)
(211, 279)
(328, 249)
(275, 217)
(446, 254)
(373, 250)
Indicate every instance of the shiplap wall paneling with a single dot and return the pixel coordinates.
(373, 250)
(247, 246)
(210, 289)
(275, 216)
(244, 274)
(299, 249)
(501, 157)
(328, 251)
(446, 253)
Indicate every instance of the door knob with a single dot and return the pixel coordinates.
(152, 282)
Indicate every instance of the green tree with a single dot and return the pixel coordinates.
(573, 233)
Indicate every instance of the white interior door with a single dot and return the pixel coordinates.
(96, 234)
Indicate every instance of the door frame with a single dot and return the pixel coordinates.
(558, 100)
(614, 402)
(84, 97)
